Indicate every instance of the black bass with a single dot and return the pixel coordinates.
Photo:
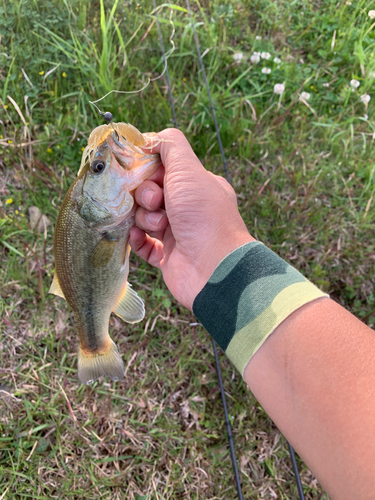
(91, 244)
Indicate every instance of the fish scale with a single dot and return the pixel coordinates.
(92, 252)
(74, 246)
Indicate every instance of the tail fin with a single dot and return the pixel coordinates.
(107, 364)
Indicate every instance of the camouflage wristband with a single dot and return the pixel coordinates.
(247, 296)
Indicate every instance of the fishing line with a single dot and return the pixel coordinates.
(119, 92)
(291, 451)
(222, 392)
(109, 116)
(296, 473)
(166, 66)
(209, 95)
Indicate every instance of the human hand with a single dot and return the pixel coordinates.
(199, 227)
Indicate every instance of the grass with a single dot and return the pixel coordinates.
(304, 175)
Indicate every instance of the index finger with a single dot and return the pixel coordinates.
(158, 176)
(175, 151)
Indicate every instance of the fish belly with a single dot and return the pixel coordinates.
(90, 288)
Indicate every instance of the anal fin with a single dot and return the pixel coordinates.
(130, 307)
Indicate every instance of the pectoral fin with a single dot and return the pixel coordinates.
(130, 307)
(102, 253)
(55, 287)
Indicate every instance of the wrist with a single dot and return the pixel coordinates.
(213, 256)
(249, 294)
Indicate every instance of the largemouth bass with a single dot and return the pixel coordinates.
(91, 244)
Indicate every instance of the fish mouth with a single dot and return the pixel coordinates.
(115, 174)
(127, 155)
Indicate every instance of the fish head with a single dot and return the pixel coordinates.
(115, 169)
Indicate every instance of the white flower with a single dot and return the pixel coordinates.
(265, 55)
(325, 84)
(266, 71)
(238, 56)
(258, 37)
(365, 117)
(371, 14)
(354, 84)
(371, 74)
(365, 98)
(255, 58)
(305, 96)
(279, 88)
(277, 60)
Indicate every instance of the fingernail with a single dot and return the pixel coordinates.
(147, 196)
(153, 218)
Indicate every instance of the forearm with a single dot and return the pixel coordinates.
(311, 362)
(315, 377)
(307, 360)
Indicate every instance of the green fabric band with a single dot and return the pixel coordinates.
(247, 296)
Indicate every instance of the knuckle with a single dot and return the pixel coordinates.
(173, 134)
(140, 217)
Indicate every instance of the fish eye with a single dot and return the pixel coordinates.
(97, 167)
